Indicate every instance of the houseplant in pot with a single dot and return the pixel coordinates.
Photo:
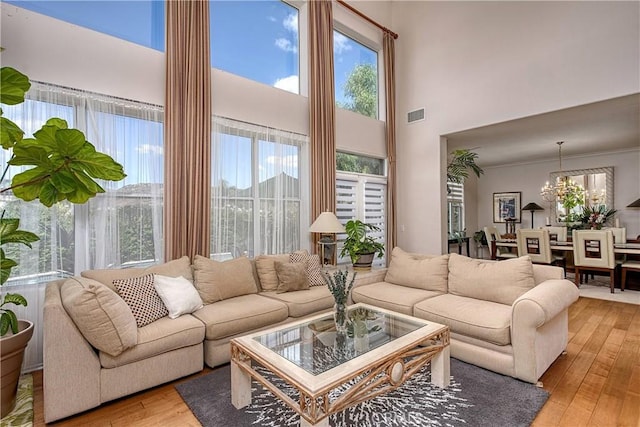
(57, 163)
(361, 247)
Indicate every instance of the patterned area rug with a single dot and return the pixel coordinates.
(22, 414)
(476, 397)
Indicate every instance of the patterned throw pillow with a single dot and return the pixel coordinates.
(314, 269)
(142, 298)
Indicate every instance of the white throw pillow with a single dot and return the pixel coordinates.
(178, 295)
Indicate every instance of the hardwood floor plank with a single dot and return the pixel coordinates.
(596, 383)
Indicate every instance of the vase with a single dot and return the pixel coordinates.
(13, 347)
(340, 317)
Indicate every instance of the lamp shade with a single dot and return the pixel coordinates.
(327, 222)
(532, 207)
(635, 204)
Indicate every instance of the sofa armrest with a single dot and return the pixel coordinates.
(539, 327)
(544, 302)
(71, 366)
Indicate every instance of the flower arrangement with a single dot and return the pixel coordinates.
(340, 287)
(596, 216)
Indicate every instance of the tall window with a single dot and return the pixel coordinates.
(361, 193)
(140, 21)
(257, 40)
(258, 177)
(117, 228)
(455, 209)
(356, 75)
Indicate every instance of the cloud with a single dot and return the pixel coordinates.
(340, 43)
(291, 23)
(286, 45)
(149, 148)
(290, 84)
(271, 18)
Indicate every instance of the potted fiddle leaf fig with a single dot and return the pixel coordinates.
(361, 247)
(59, 164)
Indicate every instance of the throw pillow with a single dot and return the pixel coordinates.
(500, 281)
(175, 268)
(217, 281)
(178, 295)
(102, 317)
(292, 276)
(266, 267)
(314, 269)
(428, 272)
(142, 298)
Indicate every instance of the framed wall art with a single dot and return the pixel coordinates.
(507, 206)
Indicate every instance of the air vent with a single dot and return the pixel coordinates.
(415, 116)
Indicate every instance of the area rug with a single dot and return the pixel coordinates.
(476, 397)
(22, 414)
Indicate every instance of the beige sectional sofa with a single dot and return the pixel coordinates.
(95, 352)
(509, 316)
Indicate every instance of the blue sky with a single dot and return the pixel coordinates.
(255, 39)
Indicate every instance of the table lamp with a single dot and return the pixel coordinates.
(327, 224)
(532, 207)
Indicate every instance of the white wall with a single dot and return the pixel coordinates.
(530, 177)
(477, 63)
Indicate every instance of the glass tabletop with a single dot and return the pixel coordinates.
(316, 347)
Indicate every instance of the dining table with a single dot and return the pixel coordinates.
(629, 248)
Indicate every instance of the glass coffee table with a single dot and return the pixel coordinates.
(315, 361)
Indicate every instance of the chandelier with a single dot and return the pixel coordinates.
(564, 190)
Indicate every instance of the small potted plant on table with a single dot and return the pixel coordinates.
(361, 248)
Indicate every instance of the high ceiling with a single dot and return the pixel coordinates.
(605, 126)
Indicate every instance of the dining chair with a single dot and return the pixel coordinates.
(491, 233)
(537, 244)
(593, 251)
(626, 266)
(619, 234)
(559, 234)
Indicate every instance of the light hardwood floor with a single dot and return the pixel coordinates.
(596, 383)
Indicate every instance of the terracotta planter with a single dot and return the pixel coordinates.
(364, 261)
(12, 351)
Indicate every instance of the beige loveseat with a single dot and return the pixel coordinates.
(95, 352)
(509, 316)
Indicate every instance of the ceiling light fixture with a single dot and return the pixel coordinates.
(564, 189)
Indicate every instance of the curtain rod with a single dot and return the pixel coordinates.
(362, 15)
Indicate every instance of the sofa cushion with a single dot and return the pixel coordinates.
(217, 281)
(418, 271)
(314, 269)
(178, 295)
(500, 281)
(265, 265)
(292, 276)
(304, 303)
(159, 337)
(484, 320)
(390, 296)
(175, 268)
(240, 315)
(142, 298)
(103, 318)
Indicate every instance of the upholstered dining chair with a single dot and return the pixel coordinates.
(559, 234)
(593, 251)
(619, 234)
(491, 233)
(537, 244)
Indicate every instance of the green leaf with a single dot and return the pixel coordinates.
(10, 133)
(58, 123)
(79, 197)
(5, 322)
(48, 194)
(8, 226)
(69, 141)
(13, 86)
(88, 184)
(29, 154)
(28, 184)
(16, 299)
(64, 181)
(98, 165)
(21, 236)
(45, 137)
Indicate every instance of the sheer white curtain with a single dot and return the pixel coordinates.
(121, 227)
(259, 189)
